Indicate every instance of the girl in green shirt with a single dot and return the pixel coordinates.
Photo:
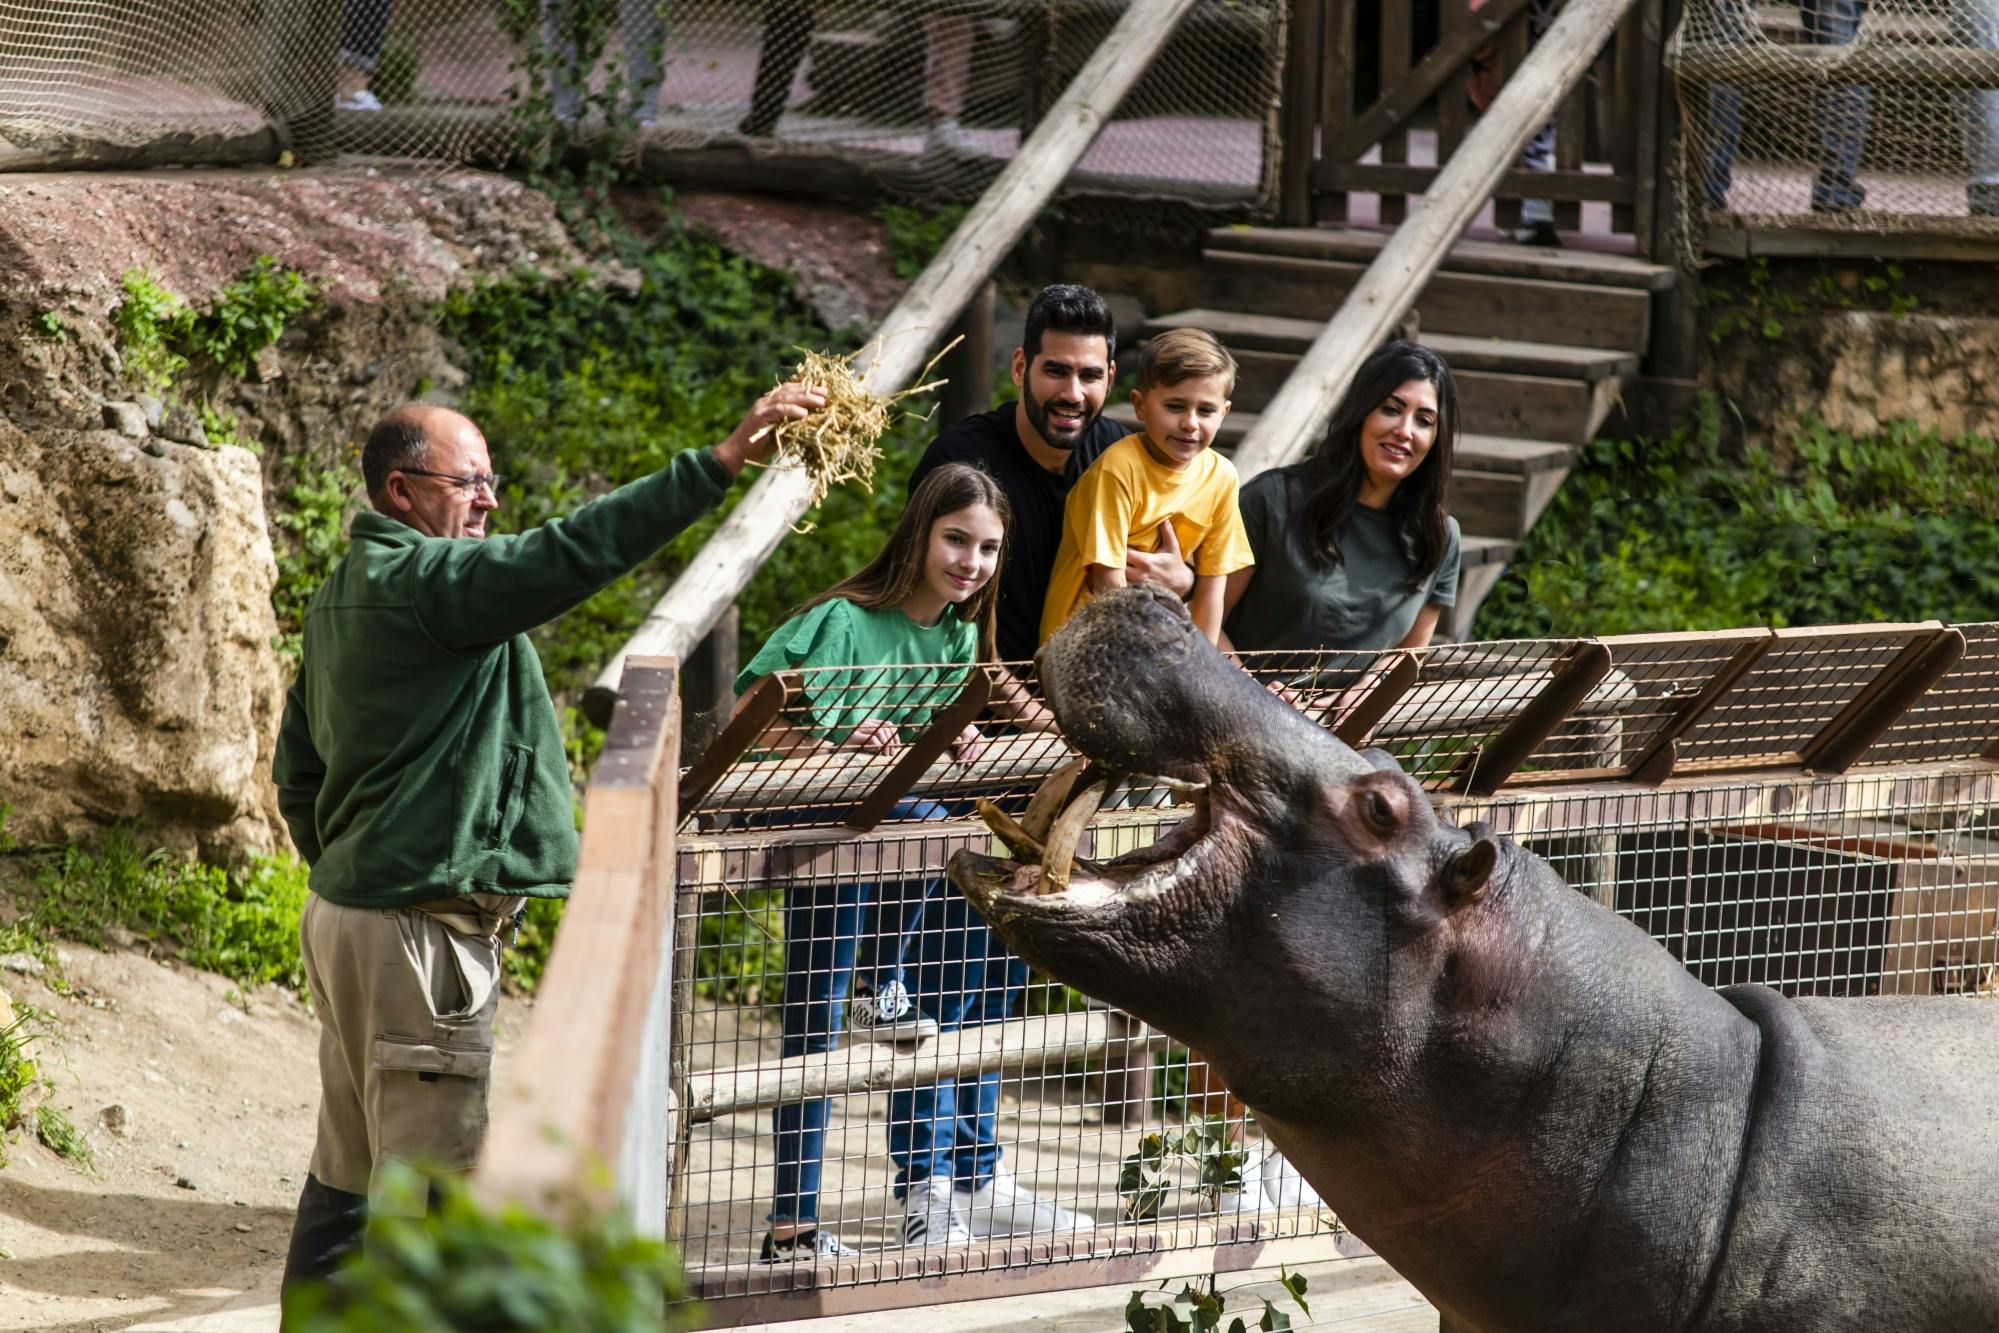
(918, 618)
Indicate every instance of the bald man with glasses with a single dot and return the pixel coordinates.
(420, 769)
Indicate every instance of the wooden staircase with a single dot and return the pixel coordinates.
(1539, 340)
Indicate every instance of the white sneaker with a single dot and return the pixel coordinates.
(1252, 1198)
(1004, 1207)
(359, 100)
(807, 1246)
(1284, 1187)
(929, 1217)
(888, 1016)
(947, 138)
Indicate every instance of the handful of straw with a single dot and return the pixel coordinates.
(838, 443)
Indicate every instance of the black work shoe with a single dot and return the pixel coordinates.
(1539, 233)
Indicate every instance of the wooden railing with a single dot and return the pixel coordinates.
(1607, 129)
(584, 1113)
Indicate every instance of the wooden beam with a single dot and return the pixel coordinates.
(1010, 1046)
(1296, 418)
(1881, 703)
(1299, 115)
(764, 704)
(1581, 669)
(1560, 186)
(921, 753)
(1446, 58)
(1931, 68)
(1663, 747)
(781, 496)
(1355, 728)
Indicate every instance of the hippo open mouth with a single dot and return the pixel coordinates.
(1150, 706)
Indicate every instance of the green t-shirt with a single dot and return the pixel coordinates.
(1363, 602)
(908, 685)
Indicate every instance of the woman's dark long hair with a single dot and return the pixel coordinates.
(1336, 472)
(894, 573)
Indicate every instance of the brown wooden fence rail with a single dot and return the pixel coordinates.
(1606, 131)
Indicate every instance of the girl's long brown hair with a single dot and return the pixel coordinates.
(894, 573)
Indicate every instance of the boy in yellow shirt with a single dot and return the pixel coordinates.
(1164, 474)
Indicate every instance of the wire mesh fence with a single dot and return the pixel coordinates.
(1878, 116)
(929, 100)
(1002, 1122)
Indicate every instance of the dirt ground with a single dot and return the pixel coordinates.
(188, 1208)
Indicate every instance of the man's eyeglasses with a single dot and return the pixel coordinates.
(465, 481)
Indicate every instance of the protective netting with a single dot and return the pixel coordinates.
(927, 99)
(1875, 117)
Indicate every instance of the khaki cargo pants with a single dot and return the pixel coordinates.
(405, 1007)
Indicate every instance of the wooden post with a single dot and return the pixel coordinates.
(969, 365)
(1301, 110)
(781, 496)
(1297, 416)
(708, 684)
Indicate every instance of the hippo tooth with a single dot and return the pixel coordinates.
(1068, 831)
(1050, 797)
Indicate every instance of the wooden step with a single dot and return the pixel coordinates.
(1531, 407)
(1277, 333)
(1496, 258)
(1474, 304)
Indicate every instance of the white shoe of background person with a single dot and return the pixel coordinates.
(1004, 1207)
(889, 1015)
(929, 1217)
(1252, 1197)
(359, 100)
(1284, 1187)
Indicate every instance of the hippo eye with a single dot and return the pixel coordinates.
(1380, 811)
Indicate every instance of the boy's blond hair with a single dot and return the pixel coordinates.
(1178, 355)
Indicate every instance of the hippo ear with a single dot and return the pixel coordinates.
(1467, 874)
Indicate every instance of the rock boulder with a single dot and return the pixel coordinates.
(136, 673)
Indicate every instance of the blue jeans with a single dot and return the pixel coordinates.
(1976, 23)
(643, 32)
(1839, 115)
(964, 977)
(830, 929)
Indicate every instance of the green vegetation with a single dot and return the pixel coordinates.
(462, 1266)
(1764, 302)
(160, 335)
(314, 521)
(243, 925)
(1823, 528)
(18, 1076)
(915, 234)
(61, 1137)
(1197, 1308)
(1144, 1179)
(396, 71)
(51, 326)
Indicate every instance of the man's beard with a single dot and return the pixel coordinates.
(1037, 417)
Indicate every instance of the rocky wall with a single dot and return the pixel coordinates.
(139, 678)
(1854, 345)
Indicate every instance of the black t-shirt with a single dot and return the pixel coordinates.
(990, 440)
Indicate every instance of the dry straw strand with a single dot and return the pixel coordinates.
(839, 443)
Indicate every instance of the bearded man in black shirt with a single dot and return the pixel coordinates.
(1036, 447)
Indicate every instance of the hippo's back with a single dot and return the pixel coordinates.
(1869, 1195)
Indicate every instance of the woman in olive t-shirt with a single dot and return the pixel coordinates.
(1353, 547)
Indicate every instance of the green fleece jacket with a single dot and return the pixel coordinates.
(420, 756)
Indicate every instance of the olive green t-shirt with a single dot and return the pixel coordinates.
(1363, 602)
(907, 684)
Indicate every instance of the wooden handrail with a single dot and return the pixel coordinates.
(582, 1111)
(1292, 423)
(780, 498)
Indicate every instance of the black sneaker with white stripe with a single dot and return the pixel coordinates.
(928, 1217)
(807, 1247)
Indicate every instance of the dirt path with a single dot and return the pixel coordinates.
(190, 1207)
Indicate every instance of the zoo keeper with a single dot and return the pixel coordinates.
(420, 769)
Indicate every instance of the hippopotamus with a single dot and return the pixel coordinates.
(1521, 1101)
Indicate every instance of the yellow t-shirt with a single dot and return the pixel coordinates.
(1118, 504)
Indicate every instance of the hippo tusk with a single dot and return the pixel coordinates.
(1018, 840)
(1060, 855)
(1049, 798)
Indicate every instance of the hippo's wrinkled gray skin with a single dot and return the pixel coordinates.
(1518, 1099)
